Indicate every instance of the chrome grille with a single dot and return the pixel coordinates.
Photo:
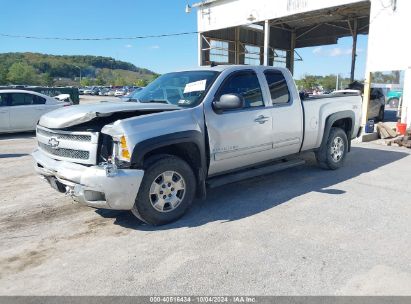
(73, 146)
(65, 136)
(67, 153)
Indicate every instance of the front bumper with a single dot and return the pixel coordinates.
(91, 185)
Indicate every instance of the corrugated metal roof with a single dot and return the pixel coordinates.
(198, 4)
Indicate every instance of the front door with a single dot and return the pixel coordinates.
(240, 137)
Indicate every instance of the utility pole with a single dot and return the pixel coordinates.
(80, 72)
(336, 83)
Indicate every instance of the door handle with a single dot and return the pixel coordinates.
(261, 119)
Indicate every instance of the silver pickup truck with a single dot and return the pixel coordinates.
(188, 131)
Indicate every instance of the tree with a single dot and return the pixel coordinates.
(141, 82)
(308, 82)
(100, 80)
(85, 81)
(46, 79)
(22, 73)
(120, 81)
(3, 75)
(328, 82)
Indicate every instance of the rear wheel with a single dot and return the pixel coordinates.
(332, 154)
(166, 192)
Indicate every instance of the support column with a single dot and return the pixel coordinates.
(292, 47)
(354, 49)
(237, 45)
(266, 41)
(200, 48)
(366, 98)
(406, 99)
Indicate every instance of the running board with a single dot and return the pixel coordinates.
(250, 173)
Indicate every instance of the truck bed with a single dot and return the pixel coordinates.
(317, 108)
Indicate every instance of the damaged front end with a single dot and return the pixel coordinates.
(83, 153)
(96, 186)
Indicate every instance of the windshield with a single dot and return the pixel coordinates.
(183, 89)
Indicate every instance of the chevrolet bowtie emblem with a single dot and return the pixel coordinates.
(53, 142)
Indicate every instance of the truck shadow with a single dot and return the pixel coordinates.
(249, 197)
(13, 155)
(21, 135)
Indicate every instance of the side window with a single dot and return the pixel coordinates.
(278, 87)
(38, 99)
(245, 84)
(3, 100)
(21, 99)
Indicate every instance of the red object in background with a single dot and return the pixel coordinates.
(401, 128)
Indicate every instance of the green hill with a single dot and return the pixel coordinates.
(44, 69)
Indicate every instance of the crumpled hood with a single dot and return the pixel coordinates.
(75, 115)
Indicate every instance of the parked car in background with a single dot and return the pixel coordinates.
(20, 110)
(376, 107)
(119, 92)
(110, 92)
(132, 96)
(393, 98)
(103, 92)
(87, 91)
(64, 97)
(95, 91)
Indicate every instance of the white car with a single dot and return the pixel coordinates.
(118, 93)
(87, 91)
(20, 110)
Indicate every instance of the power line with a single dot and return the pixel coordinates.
(97, 39)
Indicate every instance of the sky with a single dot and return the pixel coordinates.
(109, 18)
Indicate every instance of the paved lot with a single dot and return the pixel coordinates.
(301, 231)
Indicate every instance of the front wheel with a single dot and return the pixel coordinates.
(332, 155)
(166, 192)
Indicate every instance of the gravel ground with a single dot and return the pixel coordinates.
(304, 231)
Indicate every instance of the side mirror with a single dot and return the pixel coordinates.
(229, 102)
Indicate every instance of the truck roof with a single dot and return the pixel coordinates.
(220, 68)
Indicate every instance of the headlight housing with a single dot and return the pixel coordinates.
(120, 149)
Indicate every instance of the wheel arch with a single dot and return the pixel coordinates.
(188, 145)
(344, 120)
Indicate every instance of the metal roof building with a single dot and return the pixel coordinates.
(269, 32)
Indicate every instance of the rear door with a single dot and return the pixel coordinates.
(4, 113)
(240, 137)
(24, 111)
(287, 115)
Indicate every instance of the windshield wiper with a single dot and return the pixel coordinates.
(155, 101)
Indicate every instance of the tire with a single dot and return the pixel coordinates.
(332, 155)
(394, 102)
(381, 114)
(166, 192)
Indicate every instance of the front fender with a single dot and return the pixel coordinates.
(142, 148)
